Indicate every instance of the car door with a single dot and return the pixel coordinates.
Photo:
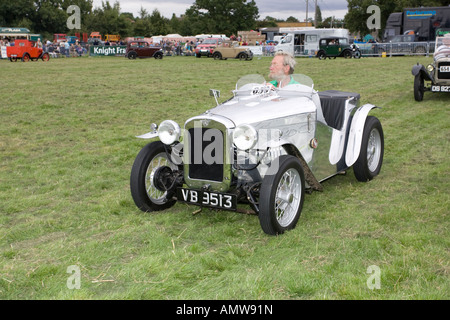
(332, 48)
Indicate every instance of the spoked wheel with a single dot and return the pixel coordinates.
(132, 55)
(370, 157)
(243, 56)
(45, 57)
(148, 181)
(322, 55)
(26, 57)
(419, 87)
(281, 196)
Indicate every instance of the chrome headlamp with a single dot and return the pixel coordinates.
(430, 68)
(169, 132)
(245, 137)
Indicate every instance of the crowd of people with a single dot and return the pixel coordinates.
(170, 48)
(64, 48)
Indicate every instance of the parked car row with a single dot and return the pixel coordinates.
(217, 48)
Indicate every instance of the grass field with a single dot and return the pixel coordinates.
(67, 144)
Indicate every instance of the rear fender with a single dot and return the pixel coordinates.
(356, 133)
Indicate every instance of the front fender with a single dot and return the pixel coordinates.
(419, 68)
(148, 135)
(356, 133)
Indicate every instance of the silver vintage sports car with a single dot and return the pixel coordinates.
(263, 147)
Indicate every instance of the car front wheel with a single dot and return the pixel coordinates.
(217, 56)
(132, 55)
(370, 157)
(281, 196)
(147, 187)
(243, 56)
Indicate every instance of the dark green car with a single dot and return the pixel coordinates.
(333, 47)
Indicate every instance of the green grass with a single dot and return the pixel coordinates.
(67, 144)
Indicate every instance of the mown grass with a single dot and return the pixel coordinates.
(67, 145)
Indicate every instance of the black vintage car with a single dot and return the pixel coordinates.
(437, 73)
(333, 47)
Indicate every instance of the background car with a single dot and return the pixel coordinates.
(438, 73)
(333, 47)
(232, 50)
(142, 49)
(26, 50)
(206, 48)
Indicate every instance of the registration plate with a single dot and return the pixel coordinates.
(444, 69)
(440, 88)
(218, 200)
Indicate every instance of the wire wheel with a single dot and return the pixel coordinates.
(288, 197)
(281, 196)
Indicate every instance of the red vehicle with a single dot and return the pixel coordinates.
(142, 49)
(206, 48)
(58, 37)
(26, 50)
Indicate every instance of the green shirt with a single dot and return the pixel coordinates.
(275, 82)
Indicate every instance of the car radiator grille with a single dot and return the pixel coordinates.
(443, 75)
(209, 164)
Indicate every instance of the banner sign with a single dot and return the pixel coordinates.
(107, 50)
(3, 52)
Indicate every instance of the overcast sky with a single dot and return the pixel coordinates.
(274, 8)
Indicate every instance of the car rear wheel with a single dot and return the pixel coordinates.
(146, 188)
(281, 196)
(370, 157)
(419, 88)
(322, 55)
(26, 57)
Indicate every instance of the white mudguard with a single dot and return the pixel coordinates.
(356, 133)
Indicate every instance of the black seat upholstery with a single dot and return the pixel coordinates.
(333, 106)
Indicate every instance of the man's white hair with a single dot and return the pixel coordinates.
(288, 60)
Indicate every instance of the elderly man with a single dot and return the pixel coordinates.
(281, 69)
(443, 50)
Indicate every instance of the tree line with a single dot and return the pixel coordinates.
(47, 17)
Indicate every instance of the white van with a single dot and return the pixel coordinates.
(306, 42)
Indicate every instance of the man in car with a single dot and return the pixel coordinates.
(281, 69)
(444, 49)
